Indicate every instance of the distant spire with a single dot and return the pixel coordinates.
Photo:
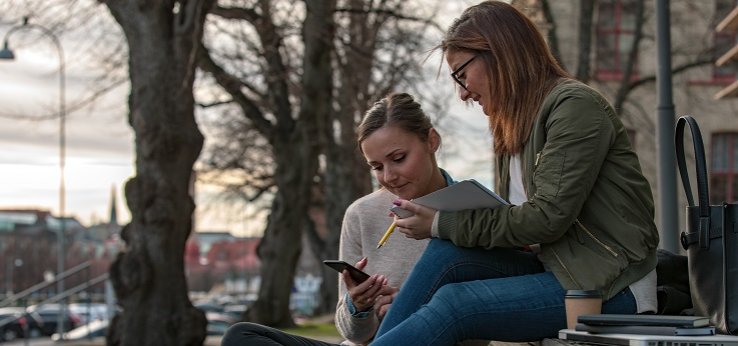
(113, 212)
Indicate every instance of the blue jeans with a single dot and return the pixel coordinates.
(456, 293)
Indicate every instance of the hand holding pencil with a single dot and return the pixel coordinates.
(396, 210)
(417, 224)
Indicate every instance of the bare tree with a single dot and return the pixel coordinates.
(290, 131)
(163, 39)
(300, 78)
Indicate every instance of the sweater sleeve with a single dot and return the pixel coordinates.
(356, 329)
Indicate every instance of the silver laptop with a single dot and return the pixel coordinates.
(647, 340)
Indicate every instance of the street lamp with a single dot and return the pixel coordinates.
(7, 54)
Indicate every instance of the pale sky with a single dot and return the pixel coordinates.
(99, 147)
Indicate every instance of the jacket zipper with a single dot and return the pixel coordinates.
(566, 269)
(525, 178)
(609, 249)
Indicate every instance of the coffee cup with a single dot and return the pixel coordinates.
(581, 302)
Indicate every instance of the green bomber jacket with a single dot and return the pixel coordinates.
(589, 206)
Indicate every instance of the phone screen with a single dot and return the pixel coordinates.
(356, 274)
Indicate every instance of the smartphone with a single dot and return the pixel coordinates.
(356, 274)
(401, 213)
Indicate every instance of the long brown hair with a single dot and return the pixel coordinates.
(520, 66)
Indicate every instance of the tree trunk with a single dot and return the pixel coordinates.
(346, 175)
(280, 247)
(553, 39)
(148, 276)
(625, 84)
(296, 156)
(586, 11)
(346, 180)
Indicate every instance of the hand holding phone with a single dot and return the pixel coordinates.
(356, 274)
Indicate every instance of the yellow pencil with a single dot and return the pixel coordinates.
(386, 235)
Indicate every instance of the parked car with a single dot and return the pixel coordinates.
(96, 328)
(16, 322)
(50, 314)
(217, 325)
(208, 306)
(89, 312)
(236, 311)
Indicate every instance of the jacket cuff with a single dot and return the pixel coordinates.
(446, 224)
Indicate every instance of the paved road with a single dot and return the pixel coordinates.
(209, 341)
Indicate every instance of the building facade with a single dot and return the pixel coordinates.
(697, 81)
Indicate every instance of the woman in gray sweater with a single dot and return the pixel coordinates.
(399, 144)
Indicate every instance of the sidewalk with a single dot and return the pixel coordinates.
(211, 340)
(97, 341)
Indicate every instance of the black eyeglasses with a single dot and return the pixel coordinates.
(456, 72)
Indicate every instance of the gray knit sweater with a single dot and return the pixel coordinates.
(364, 223)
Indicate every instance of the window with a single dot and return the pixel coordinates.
(724, 168)
(615, 34)
(723, 41)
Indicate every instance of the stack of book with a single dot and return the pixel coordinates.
(645, 324)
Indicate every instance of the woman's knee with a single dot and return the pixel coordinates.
(447, 299)
(240, 332)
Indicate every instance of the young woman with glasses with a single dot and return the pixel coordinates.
(581, 213)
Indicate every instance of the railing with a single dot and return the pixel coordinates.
(59, 296)
(73, 290)
(41, 285)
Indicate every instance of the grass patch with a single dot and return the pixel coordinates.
(312, 330)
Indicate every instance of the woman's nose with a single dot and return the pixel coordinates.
(464, 94)
(389, 174)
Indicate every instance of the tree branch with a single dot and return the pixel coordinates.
(233, 86)
(674, 71)
(247, 14)
(390, 13)
(276, 71)
(213, 104)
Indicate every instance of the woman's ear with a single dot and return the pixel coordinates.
(434, 140)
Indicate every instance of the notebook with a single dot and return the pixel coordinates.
(646, 330)
(645, 320)
(647, 340)
(466, 194)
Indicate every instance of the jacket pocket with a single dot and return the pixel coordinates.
(612, 251)
(549, 168)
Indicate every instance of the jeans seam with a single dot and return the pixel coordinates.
(437, 286)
